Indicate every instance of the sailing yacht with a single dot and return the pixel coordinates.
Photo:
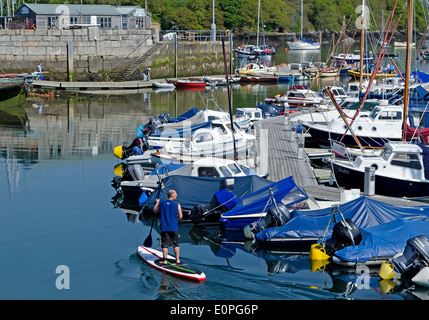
(303, 44)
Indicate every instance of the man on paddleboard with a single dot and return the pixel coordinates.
(170, 213)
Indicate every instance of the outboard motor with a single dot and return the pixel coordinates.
(277, 216)
(222, 201)
(138, 146)
(414, 259)
(345, 233)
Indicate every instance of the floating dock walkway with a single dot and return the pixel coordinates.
(281, 157)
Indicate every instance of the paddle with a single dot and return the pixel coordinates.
(148, 240)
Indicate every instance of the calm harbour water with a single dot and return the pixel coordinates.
(56, 165)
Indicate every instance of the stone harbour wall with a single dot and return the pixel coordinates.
(94, 50)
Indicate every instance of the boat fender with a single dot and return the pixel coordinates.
(118, 152)
(318, 252)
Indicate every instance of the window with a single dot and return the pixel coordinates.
(51, 22)
(106, 23)
(139, 22)
(408, 160)
(203, 136)
(86, 20)
(234, 168)
(73, 20)
(225, 171)
(208, 172)
(391, 115)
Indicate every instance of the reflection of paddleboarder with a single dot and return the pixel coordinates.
(170, 212)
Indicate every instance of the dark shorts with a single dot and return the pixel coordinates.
(169, 239)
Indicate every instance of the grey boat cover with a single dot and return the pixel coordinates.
(192, 191)
(363, 211)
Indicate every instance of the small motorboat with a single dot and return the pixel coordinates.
(135, 180)
(307, 227)
(298, 96)
(190, 83)
(163, 85)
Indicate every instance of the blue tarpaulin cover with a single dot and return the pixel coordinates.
(259, 201)
(226, 198)
(188, 114)
(192, 191)
(363, 211)
(182, 132)
(384, 240)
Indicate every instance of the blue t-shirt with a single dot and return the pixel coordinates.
(169, 210)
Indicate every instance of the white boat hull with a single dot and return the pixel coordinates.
(302, 45)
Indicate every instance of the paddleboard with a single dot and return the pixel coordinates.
(154, 258)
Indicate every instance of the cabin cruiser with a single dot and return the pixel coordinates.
(215, 141)
(141, 148)
(298, 96)
(135, 180)
(384, 123)
(399, 170)
(245, 117)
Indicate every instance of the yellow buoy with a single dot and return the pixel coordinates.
(386, 270)
(118, 152)
(318, 252)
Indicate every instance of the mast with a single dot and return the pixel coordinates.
(257, 29)
(302, 15)
(407, 66)
(361, 45)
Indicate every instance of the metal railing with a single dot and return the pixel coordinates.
(193, 35)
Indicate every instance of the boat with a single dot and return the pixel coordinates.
(380, 243)
(403, 44)
(190, 83)
(297, 96)
(154, 259)
(162, 129)
(163, 85)
(383, 124)
(199, 191)
(254, 206)
(218, 141)
(412, 263)
(245, 117)
(212, 81)
(257, 78)
(379, 75)
(10, 87)
(247, 51)
(308, 227)
(303, 44)
(353, 58)
(134, 181)
(252, 68)
(400, 170)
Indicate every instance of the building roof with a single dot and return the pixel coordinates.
(76, 9)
